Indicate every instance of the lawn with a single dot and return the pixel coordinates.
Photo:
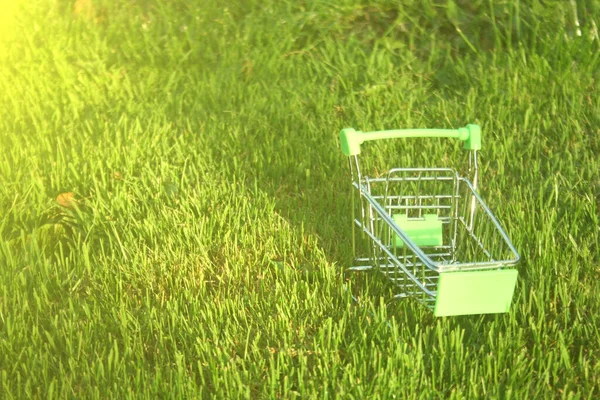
(175, 214)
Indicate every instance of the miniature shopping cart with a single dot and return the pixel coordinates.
(428, 231)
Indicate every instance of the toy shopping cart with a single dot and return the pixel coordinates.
(428, 231)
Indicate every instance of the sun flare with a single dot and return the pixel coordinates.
(8, 21)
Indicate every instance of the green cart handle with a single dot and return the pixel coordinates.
(351, 139)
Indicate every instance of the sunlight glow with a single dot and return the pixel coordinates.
(8, 21)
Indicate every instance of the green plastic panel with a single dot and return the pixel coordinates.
(425, 232)
(475, 292)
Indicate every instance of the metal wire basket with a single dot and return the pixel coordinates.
(428, 231)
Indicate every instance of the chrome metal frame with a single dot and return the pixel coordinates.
(473, 238)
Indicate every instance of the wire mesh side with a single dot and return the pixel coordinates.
(412, 192)
(480, 241)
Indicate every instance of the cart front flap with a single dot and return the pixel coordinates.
(475, 292)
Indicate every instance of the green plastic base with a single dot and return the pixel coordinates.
(423, 232)
(475, 292)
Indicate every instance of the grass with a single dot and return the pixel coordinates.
(175, 213)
